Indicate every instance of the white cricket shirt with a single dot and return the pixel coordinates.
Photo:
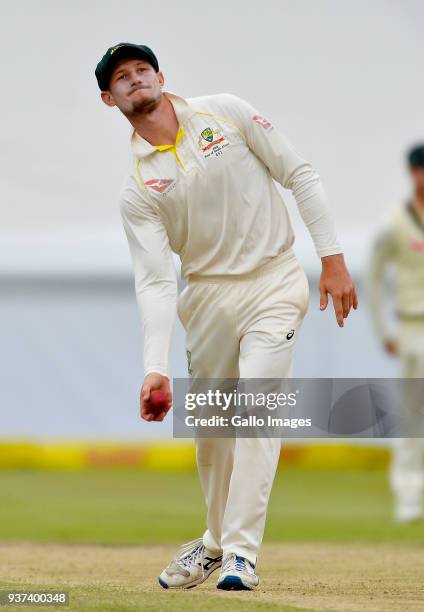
(211, 198)
(401, 244)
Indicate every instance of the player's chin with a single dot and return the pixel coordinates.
(140, 105)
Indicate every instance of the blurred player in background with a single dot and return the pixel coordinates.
(203, 187)
(401, 244)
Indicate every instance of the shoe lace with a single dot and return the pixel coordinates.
(190, 553)
(234, 562)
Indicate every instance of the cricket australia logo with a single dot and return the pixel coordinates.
(162, 186)
(114, 49)
(207, 134)
(215, 140)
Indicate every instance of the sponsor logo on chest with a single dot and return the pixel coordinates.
(212, 142)
(162, 186)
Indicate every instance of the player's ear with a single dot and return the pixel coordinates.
(107, 98)
(161, 78)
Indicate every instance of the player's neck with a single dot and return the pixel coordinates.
(158, 126)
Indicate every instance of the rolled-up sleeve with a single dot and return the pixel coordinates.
(155, 277)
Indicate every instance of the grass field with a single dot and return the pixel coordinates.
(132, 507)
(104, 535)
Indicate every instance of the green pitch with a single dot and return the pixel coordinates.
(129, 507)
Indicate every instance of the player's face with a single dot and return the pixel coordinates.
(134, 86)
(417, 175)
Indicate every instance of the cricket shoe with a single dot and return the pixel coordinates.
(193, 564)
(237, 574)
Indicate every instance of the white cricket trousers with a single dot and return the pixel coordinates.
(241, 326)
(406, 472)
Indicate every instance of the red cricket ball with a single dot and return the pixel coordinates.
(158, 401)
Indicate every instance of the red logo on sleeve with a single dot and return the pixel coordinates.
(262, 121)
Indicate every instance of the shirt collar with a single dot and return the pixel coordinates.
(141, 148)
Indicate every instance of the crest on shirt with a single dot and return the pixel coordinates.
(207, 134)
(267, 125)
(160, 185)
(216, 142)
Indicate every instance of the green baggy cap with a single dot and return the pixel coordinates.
(118, 52)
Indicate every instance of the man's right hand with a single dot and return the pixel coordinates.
(154, 382)
(391, 346)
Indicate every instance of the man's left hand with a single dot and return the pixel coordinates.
(336, 281)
